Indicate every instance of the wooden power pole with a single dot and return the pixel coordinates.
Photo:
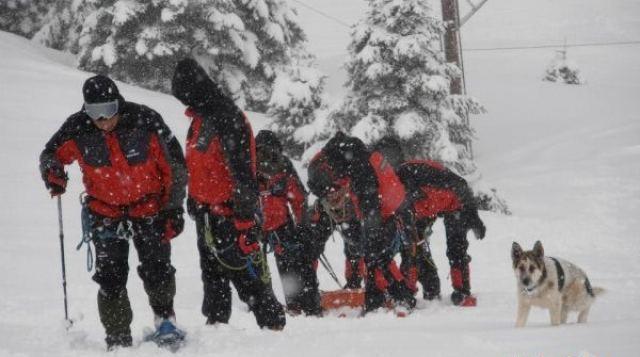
(453, 46)
(452, 50)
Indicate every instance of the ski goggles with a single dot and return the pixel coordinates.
(98, 111)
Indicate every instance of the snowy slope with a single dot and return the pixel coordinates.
(565, 158)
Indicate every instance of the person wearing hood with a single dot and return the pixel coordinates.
(283, 200)
(223, 200)
(134, 175)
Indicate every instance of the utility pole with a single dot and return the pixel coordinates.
(452, 50)
(453, 47)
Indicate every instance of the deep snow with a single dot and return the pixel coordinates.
(566, 158)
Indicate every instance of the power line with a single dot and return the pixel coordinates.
(593, 44)
(323, 14)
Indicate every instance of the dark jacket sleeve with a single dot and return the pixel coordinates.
(54, 156)
(237, 142)
(296, 194)
(176, 187)
(319, 230)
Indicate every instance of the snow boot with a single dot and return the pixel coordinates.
(167, 334)
(116, 315)
(403, 297)
(121, 340)
(461, 295)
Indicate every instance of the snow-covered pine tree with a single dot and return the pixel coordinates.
(134, 41)
(399, 85)
(62, 23)
(278, 38)
(295, 102)
(242, 43)
(22, 17)
(562, 69)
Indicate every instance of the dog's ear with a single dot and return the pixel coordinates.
(538, 251)
(516, 252)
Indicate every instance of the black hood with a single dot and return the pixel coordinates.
(267, 138)
(194, 88)
(392, 151)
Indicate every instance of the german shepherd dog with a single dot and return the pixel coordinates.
(550, 283)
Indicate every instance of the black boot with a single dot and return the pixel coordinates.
(120, 340)
(373, 297)
(116, 315)
(402, 295)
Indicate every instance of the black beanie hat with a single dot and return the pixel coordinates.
(268, 138)
(100, 89)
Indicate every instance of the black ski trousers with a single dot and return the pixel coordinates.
(353, 252)
(427, 271)
(223, 263)
(111, 240)
(295, 266)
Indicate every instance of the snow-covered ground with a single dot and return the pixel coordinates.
(566, 158)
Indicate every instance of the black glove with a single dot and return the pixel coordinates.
(472, 221)
(55, 179)
(194, 208)
(172, 222)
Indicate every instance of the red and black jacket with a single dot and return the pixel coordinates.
(280, 194)
(220, 150)
(221, 160)
(136, 170)
(376, 191)
(434, 189)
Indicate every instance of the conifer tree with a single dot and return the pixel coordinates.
(398, 83)
(295, 103)
(22, 17)
(242, 43)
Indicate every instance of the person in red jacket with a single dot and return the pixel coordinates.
(435, 191)
(283, 201)
(350, 180)
(134, 176)
(223, 200)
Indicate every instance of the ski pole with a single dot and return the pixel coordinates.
(64, 272)
(325, 263)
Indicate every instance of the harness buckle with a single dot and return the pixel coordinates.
(125, 230)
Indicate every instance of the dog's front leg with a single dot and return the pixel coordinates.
(555, 312)
(523, 313)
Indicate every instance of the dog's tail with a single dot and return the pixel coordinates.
(593, 291)
(597, 291)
